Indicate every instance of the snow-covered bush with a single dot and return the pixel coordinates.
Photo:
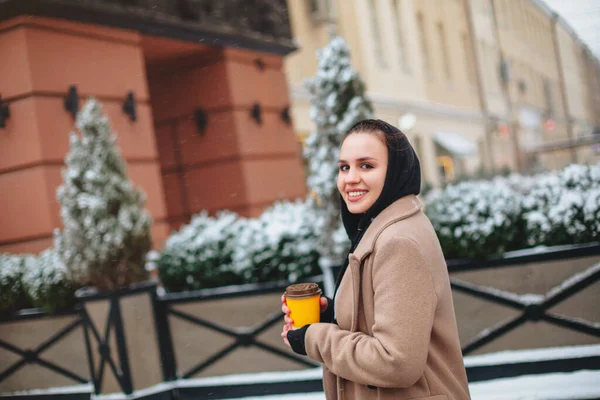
(199, 254)
(106, 231)
(475, 219)
(487, 218)
(47, 283)
(338, 101)
(229, 249)
(12, 293)
(280, 244)
(564, 208)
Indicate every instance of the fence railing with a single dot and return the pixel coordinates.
(165, 311)
(243, 337)
(532, 308)
(30, 356)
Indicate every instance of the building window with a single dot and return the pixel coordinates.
(424, 46)
(322, 10)
(403, 59)
(374, 12)
(444, 50)
(469, 59)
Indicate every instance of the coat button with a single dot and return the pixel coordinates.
(372, 387)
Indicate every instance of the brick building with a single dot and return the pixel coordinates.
(210, 128)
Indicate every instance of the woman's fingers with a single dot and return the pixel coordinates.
(324, 302)
(286, 328)
(288, 321)
(284, 308)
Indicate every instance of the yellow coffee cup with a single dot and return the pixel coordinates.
(303, 301)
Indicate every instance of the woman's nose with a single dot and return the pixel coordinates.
(351, 176)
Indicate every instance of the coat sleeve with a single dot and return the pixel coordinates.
(405, 303)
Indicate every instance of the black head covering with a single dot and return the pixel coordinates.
(403, 177)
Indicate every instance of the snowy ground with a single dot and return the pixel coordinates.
(575, 385)
(582, 384)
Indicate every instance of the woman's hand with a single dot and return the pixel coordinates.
(288, 319)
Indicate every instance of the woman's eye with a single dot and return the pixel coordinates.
(366, 166)
(344, 168)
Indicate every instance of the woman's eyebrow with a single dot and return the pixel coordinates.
(358, 160)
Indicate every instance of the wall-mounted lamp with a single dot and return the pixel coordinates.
(260, 63)
(129, 106)
(4, 114)
(201, 120)
(72, 101)
(255, 113)
(285, 115)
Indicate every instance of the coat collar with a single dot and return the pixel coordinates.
(398, 210)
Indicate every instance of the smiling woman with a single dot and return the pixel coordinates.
(394, 334)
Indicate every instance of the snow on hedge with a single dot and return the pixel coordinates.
(229, 249)
(47, 282)
(12, 293)
(473, 219)
(488, 218)
(564, 207)
(40, 281)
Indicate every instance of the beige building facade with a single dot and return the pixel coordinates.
(477, 85)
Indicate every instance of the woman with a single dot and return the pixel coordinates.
(395, 334)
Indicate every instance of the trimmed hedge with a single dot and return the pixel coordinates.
(473, 219)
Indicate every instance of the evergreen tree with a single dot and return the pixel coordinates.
(338, 101)
(106, 231)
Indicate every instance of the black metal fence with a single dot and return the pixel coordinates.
(34, 355)
(243, 337)
(535, 309)
(165, 312)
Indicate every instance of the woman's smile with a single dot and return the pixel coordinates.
(356, 195)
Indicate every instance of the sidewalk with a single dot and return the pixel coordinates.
(569, 386)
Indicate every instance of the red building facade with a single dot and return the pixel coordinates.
(211, 128)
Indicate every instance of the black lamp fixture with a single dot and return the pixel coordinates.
(129, 106)
(72, 101)
(4, 114)
(201, 120)
(285, 115)
(255, 113)
(260, 63)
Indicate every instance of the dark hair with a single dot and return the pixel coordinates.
(393, 137)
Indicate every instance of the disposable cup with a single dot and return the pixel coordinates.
(303, 302)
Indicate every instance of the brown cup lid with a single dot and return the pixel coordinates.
(302, 290)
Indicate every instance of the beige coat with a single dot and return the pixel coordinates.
(397, 337)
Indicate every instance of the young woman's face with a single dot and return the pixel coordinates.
(362, 168)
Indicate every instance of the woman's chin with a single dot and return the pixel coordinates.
(355, 208)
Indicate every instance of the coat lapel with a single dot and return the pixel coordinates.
(400, 209)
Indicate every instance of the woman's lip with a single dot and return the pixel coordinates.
(356, 198)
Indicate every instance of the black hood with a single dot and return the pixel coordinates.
(403, 177)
